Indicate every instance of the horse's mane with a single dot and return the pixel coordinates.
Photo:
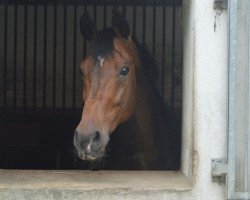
(148, 62)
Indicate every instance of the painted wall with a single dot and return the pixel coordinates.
(205, 97)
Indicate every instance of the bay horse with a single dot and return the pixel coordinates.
(124, 119)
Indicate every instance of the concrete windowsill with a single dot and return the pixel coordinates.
(118, 181)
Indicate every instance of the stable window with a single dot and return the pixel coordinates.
(41, 91)
(42, 47)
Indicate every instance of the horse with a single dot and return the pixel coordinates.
(124, 121)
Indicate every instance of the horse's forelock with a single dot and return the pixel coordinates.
(102, 46)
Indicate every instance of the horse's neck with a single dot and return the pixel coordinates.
(157, 126)
(149, 104)
(149, 129)
(148, 117)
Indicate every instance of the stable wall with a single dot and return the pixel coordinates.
(205, 96)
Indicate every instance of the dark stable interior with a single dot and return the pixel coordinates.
(42, 137)
(37, 143)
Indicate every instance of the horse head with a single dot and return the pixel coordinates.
(109, 84)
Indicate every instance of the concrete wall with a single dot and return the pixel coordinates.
(205, 96)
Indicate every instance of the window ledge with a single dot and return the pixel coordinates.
(140, 181)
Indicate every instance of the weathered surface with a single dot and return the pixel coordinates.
(29, 184)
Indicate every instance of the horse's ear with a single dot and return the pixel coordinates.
(120, 24)
(88, 28)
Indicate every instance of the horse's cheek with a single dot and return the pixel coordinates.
(86, 88)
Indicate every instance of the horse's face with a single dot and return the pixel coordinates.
(109, 86)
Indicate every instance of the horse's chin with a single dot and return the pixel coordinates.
(90, 156)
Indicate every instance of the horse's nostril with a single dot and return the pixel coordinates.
(96, 136)
(82, 144)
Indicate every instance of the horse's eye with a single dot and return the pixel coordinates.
(124, 71)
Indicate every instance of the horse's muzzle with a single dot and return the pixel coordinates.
(90, 147)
